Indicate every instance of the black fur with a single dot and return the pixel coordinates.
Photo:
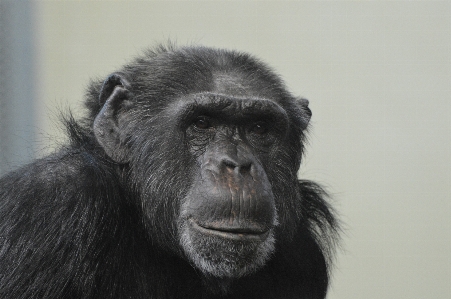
(104, 216)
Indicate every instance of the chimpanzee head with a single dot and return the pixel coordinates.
(208, 144)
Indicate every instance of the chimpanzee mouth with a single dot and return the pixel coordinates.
(228, 232)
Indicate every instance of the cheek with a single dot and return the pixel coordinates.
(160, 179)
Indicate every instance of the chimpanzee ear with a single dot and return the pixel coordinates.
(107, 127)
(306, 113)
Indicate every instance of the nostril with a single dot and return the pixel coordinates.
(229, 164)
(237, 167)
(245, 168)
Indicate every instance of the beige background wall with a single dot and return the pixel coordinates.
(377, 75)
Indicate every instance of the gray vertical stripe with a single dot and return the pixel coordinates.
(17, 92)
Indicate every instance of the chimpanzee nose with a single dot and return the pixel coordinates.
(242, 166)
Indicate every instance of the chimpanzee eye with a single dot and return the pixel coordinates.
(260, 128)
(202, 123)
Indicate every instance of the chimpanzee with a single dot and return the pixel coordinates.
(179, 182)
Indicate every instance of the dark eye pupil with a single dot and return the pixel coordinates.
(260, 129)
(202, 123)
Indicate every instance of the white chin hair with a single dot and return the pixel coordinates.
(225, 258)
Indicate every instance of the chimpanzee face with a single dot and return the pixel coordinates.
(228, 216)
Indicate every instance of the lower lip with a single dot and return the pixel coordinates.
(240, 236)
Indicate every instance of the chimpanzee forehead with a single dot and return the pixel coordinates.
(242, 84)
(235, 85)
